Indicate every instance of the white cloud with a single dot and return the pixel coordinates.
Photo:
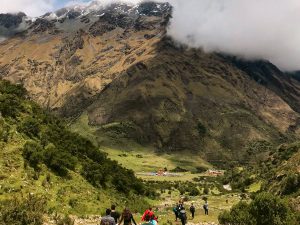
(30, 7)
(254, 29)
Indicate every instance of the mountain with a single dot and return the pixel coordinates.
(116, 66)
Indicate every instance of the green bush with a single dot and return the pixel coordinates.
(66, 220)
(193, 191)
(4, 130)
(265, 209)
(238, 215)
(8, 88)
(11, 99)
(30, 126)
(206, 190)
(29, 211)
(178, 170)
(33, 153)
(291, 184)
(10, 105)
(201, 129)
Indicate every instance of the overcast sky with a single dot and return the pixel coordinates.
(33, 7)
(253, 29)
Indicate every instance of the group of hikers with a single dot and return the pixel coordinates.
(180, 212)
(113, 217)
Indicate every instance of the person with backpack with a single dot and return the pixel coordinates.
(147, 220)
(175, 210)
(107, 219)
(152, 220)
(127, 217)
(192, 210)
(205, 207)
(148, 212)
(182, 216)
(116, 215)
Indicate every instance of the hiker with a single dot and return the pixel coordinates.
(175, 210)
(180, 205)
(205, 207)
(148, 212)
(116, 215)
(147, 219)
(182, 216)
(127, 217)
(192, 210)
(153, 220)
(107, 219)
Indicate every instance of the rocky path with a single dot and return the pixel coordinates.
(92, 220)
(203, 223)
(96, 221)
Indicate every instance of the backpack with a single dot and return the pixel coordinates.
(192, 209)
(183, 215)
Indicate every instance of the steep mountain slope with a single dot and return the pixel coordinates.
(40, 156)
(187, 102)
(283, 174)
(116, 65)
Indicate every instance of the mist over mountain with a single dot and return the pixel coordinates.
(258, 29)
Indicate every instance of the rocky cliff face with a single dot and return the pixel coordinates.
(117, 65)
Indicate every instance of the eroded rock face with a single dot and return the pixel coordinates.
(63, 52)
(116, 65)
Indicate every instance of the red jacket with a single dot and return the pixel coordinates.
(150, 213)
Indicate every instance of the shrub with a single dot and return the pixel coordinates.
(178, 170)
(33, 153)
(291, 184)
(239, 214)
(8, 88)
(27, 211)
(30, 127)
(66, 220)
(4, 130)
(194, 191)
(201, 129)
(265, 209)
(201, 169)
(10, 105)
(268, 209)
(206, 191)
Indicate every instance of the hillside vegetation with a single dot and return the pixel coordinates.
(40, 156)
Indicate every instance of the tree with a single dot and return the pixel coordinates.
(238, 215)
(265, 209)
(206, 191)
(30, 126)
(268, 209)
(201, 129)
